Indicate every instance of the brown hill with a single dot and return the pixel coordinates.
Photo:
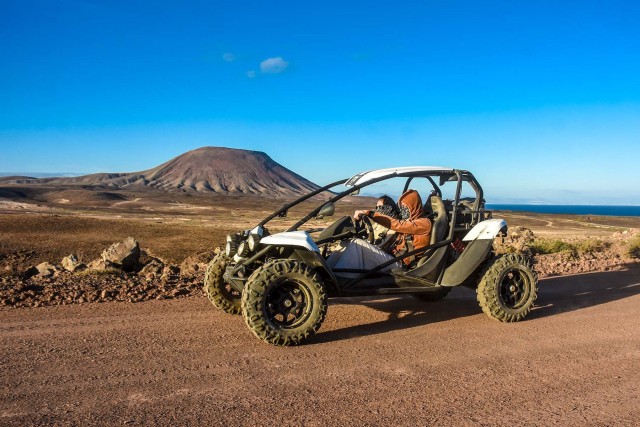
(206, 169)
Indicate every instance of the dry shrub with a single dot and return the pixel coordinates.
(590, 246)
(551, 246)
(633, 250)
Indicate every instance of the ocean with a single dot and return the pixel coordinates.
(570, 209)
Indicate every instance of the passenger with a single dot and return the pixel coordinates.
(413, 231)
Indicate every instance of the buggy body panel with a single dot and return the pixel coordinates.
(300, 239)
(487, 229)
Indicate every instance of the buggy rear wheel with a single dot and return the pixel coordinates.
(220, 293)
(508, 288)
(284, 302)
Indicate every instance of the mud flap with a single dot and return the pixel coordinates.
(476, 252)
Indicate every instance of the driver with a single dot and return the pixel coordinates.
(413, 233)
(383, 237)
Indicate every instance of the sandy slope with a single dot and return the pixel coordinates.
(375, 362)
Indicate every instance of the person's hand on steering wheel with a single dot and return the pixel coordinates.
(363, 223)
(360, 213)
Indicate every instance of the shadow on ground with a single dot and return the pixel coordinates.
(556, 295)
(403, 313)
(563, 294)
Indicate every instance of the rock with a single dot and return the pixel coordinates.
(152, 269)
(170, 273)
(72, 264)
(521, 234)
(124, 254)
(43, 270)
(195, 265)
(518, 240)
(101, 265)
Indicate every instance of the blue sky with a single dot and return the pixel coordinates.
(540, 99)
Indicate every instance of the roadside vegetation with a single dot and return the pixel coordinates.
(633, 250)
(552, 246)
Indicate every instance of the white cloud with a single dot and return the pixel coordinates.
(229, 57)
(251, 74)
(273, 65)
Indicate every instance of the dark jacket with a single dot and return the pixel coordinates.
(416, 226)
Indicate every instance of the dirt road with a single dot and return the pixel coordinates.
(374, 362)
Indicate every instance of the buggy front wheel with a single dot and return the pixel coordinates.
(284, 302)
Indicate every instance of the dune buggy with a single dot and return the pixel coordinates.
(280, 282)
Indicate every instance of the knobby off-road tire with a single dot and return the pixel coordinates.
(508, 288)
(221, 294)
(434, 296)
(284, 302)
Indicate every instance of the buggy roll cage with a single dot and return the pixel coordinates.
(445, 175)
(459, 175)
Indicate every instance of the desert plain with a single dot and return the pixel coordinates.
(174, 360)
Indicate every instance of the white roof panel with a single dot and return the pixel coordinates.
(363, 177)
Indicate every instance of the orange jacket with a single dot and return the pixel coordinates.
(419, 228)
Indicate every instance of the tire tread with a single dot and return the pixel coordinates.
(252, 303)
(488, 295)
(213, 283)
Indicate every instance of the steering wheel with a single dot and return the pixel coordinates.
(364, 224)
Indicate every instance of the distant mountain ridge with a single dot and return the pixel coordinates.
(33, 175)
(204, 170)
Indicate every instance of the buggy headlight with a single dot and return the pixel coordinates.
(231, 248)
(243, 249)
(253, 241)
(232, 244)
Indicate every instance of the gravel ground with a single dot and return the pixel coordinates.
(394, 361)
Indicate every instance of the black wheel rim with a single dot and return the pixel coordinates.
(515, 287)
(288, 304)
